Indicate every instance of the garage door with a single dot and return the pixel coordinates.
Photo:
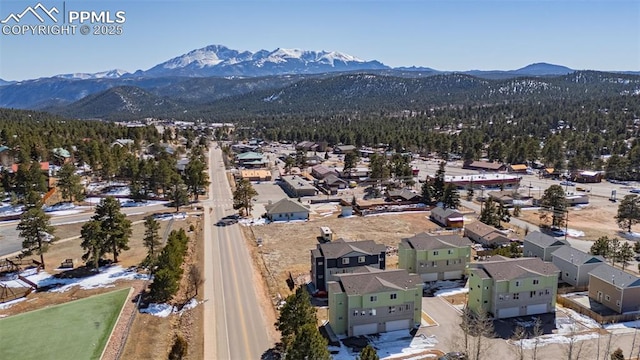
(453, 275)
(508, 312)
(365, 329)
(397, 325)
(536, 309)
(429, 277)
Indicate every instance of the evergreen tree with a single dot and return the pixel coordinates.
(489, 214)
(450, 197)
(34, 228)
(195, 176)
(69, 183)
(114, 226)
(553, 200)
(178, 193)
(308, 343)
(151, 238)
(243, 196)
(625, 254)
(296, 312)
(628, 212)
(92, 243)
(368, 353)
(350, 161)
(600, 247)
(617, 354)
(427, 192)
(438, 182)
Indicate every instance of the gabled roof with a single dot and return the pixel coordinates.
(613, 276)
(404, 193)
(484, 165)
(425, 241)
(340, 248)
(286, 206)
(445, 213)
(479, 228)
(44, 166)
(543, 240)
(575, 256)
(333, 179)
(250, 155)
(518, 268)
(377, 282)
(322, 170)
(345, 148)
(61, 152)
(518, 167)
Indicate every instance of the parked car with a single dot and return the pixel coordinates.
(635, 191)
(567, 183)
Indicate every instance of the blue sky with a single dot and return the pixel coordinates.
(445, 35)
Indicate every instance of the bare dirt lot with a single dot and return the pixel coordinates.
(286, 246)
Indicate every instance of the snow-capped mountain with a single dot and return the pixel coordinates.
(109, 74)
(4, 82)
(218, 60)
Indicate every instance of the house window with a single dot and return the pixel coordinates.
(447, 262)
(536, 281)
(392, 309)
(501, 297)
(516, 296)
(485, 301)
(355, 313)
(406, 307)
(517, 283)
(435, 252)
(607, 297)
(372, 312)
(363, 312)
(449, 251)
(320, 263)
(423, 265)
(393, 296)
(373, 298)
(532, 294)
(546, 291)
(345, 261)
(434, 264)
(486, 288)
(361, 259)
(339, 317)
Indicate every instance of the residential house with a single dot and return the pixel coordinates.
(343, 149)
(307, 146)
(403, 195)
(333, 183)
(506, 197)
(123, 143)
(374, 302)
(537, 244)
(251, 159)
(320, 172)
(297, 186)
(341, 257)
(512, 287)
(435, 257)
(484, 166)
(448, 218)
(551, 173)
(616, 289)
(7, 157)
(485, 234)
(588, 176)
(575, 265)
(286, 210)
(61, 156)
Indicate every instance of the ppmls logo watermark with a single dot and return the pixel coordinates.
(58, 20)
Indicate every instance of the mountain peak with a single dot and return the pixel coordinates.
(543, 68)
(108, 74)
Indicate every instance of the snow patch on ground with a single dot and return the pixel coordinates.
(105, 278)
(451, 291)
(583, 319)
(553, 339)
(575, 233)
(164, 310)
(9, 304)
(391, 345)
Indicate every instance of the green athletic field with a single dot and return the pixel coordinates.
(76, 330)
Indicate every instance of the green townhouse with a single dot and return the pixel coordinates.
(374, 301)
(435, 257)
(508, 288)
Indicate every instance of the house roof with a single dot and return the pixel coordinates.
(250, 155)
(251, 173)
(479, 228)
(543, 240)
(485, 165)
(518, 167)
(322, 170)
(404, 193)
(377, 282)
(613, 276)
(285, 205)
(3, 148)
(61, 152)
(345, 148)
(44, 166)
(425, 241)
(340, 248)
(445, 213)
(333, 179)
(575, 256)
(297, 182)
(518, 268)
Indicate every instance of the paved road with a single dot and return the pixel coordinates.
(234, 327)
